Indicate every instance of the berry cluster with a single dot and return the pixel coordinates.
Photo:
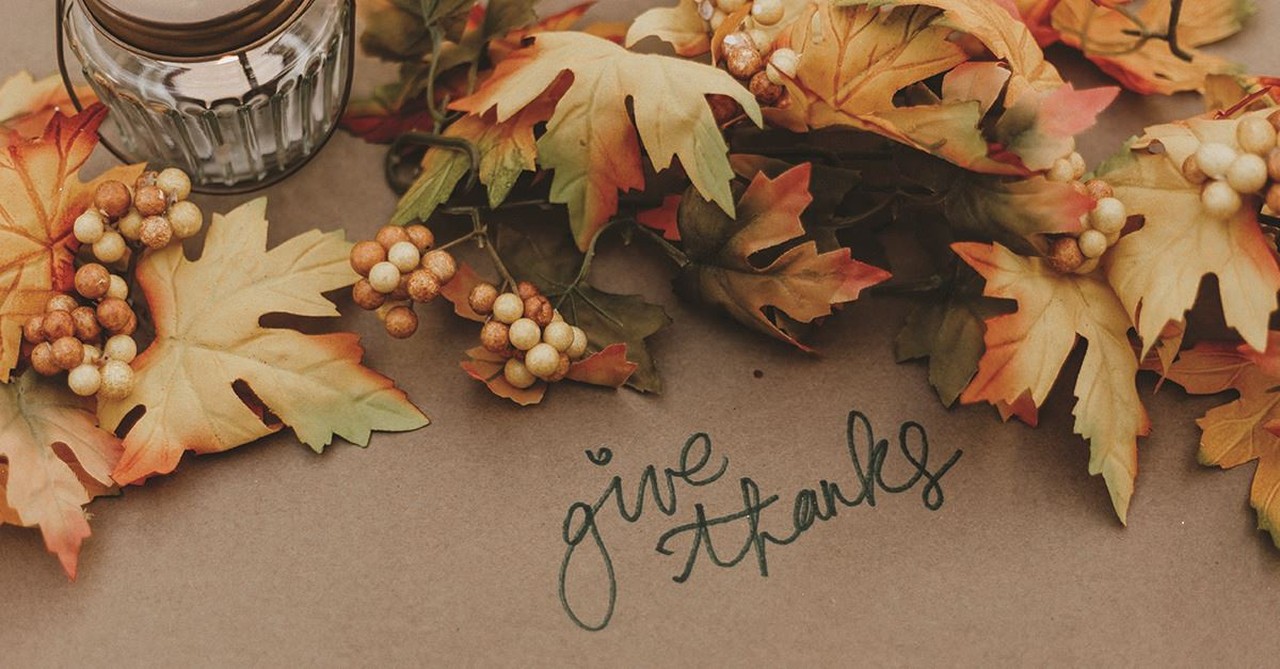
(748, 54)
(1228, 173)
(398, 269)
(154, 213)
(524, 328)
(69, 336)
(1080, 254)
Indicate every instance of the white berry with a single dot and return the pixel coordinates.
(186, 219)
(117, 380)
(110, 248)
(1092, 243)
(384, 277)
(84, 380)
(508, 308)
(174, 182)
(404, 255)
(1061, 171)
(517, 374)
(542, 360)
(1214, 159)
(524, 334)
(92, 354)
(1248, 173)
(1078, 168)
(767, 12)
(559, 334)
(1108, 216)
(130, 225)
(579, 346)
(117, 287)
(1256, 135)
(120, 347)
(1219, 199)
(89, 227)
(783, 64)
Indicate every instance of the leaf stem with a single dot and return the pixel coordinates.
(673, 252)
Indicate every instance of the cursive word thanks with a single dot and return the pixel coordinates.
(694, 468)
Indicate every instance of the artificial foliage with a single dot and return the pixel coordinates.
(764, 148)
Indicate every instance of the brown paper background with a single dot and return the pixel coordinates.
(442, 546)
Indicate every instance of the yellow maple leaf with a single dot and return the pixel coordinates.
(213, 369)
(590, 140)
(27, 104)
(1147, 65)
(1244, 429)
(40, 197)
(1158, 269)
(53, 460)
(679, 26)
(1025, 352)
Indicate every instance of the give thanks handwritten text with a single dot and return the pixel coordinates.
(697, 466)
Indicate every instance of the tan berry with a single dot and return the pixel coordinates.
(422, 285)
(1273, 164)
(117, 380)
(562, 369)
(33, 329)
(42, 360)
(539, 310)
(517, 374)
(89, 226)
(388, 235)
(524, 334)
(481, 298)
(121, 347)
(114, 315)
(401, 322)
(724, 108)
(384, 277)
(1191, 171)
(421, 236)
(1098, 189)
(92, 354)
(526, 290)
(1273, 198)
(174, 182)
(578, 348)
(61, 302)
(401, 293)
(1064, 254)
(68, 352)
(741, 59)
(366, 254)
(111, 248)
(542, 360)
(186, 219)
(156, 232)
(92, 281)
(441, 264)
(84, 380)
(86, 324)
(507, 307)
(150, 201)
(559, 334)
(147, 178)
(366, 297)
(130, 225)
(58, 324)
(493, 336)
(766, 92)
(112, 198)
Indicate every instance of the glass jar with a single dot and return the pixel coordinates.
(238, 93)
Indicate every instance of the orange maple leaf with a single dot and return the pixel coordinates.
(1025, 352)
